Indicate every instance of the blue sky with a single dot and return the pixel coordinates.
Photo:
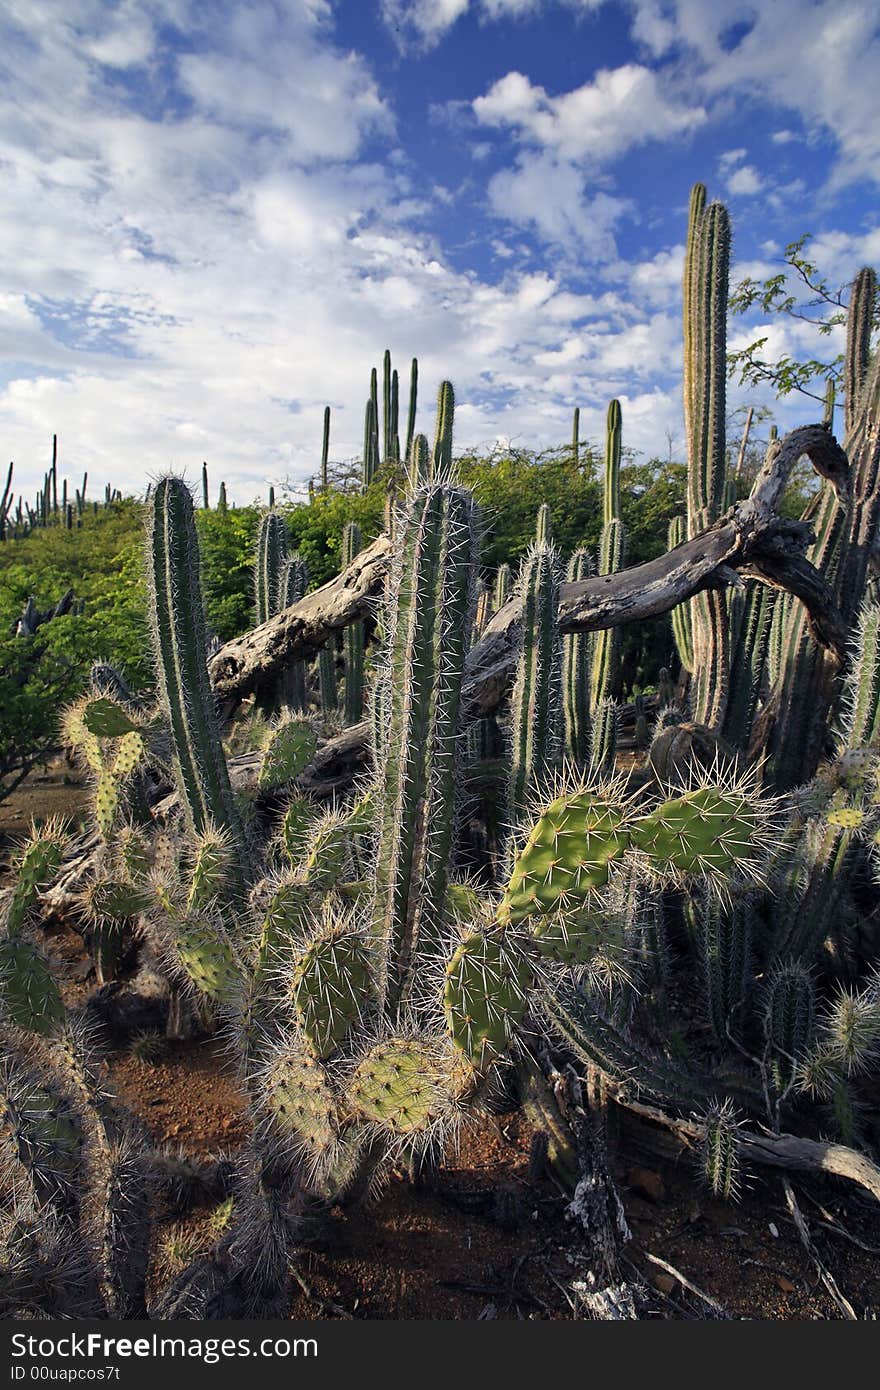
(215, 217)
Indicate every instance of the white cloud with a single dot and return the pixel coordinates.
(209, 262)
(423, 23)
(819, 60)
(744, 182)
(618, 109)
(548, 195)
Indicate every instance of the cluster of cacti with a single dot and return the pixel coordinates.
(20, 519)
(378, 964)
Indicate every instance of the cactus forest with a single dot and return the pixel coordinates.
(417, 853)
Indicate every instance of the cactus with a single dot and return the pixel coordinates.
(861, 697)
(750, 615)
(413, 402)
(271, 557)
(723, 933)
(603, 739)
(429, 621)
(289, 749)
(327, 679)
(325, 450)
(485, 996)
(399, 1085)
(330, 986)
(640, 735)
(293, 583)
(577, 661)
(612, 557)
(354, 637)
(707, 257)
(536, 704)
(544, 526)
(179, 639)
(441, 457)
(721, 1162)
(844, 523)
(501, 592)
(789, 1021)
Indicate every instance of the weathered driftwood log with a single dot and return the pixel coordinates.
(788, 1151)
(751, 539)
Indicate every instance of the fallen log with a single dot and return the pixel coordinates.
(751, 539)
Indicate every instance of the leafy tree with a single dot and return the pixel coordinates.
(813, 300)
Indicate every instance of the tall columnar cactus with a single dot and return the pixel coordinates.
(536, 703)
(441, 462)
(419, 462)
(293, 583)
(577, 665)
(370, 456)
(576, 437)
(354, 637)
(544, 525)
(860, 723)
(388, 424)
(327, 679)
(325, 449)
(750, 613)
(271, 556)
(413, 404)
(180, 642)
(603, 738)
(612, 557)
(501, 591)
(430, 618)
(706, 274)
(846, 521)
(789, 1020)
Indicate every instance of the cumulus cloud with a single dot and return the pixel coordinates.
(423, 23)
(618, 109)
(819, 60)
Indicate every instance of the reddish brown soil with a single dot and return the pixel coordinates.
(483, 1240)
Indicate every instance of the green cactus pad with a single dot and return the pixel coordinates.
(105, 718)
(112, 900)
(566, 856)
(708, 831)
(106, 802)
(295, 827)
(288, 916)
(290, 749)
(46, 1138)
(28, 993)
(574, 939)
(331, 985)
(130, 753)
(208, 959)
(487, 983)
(399, 1084)
(299, 1100)
(463, 903)
(134, 853)
(36, 868)
(211, 870)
